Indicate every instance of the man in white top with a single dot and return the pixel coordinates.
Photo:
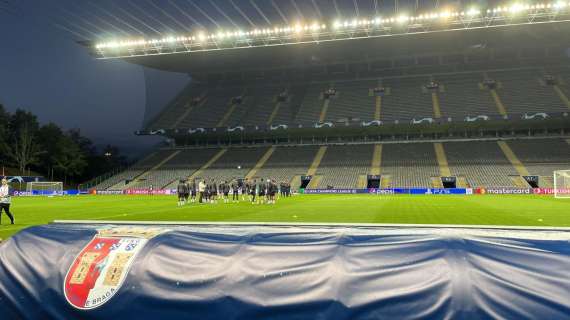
(5, 200)
(201, 189)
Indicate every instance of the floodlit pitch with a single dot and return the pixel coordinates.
(511, 210)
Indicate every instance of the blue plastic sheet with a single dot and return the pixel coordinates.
(279, 272)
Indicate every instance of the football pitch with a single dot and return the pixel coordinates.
(511, 210)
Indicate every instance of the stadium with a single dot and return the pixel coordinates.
(389, 160)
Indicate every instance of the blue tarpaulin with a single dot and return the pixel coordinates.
(288, 272)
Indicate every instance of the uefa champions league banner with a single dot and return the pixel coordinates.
(149, 191)
(283, 272)
(435, 191)
(335, 191)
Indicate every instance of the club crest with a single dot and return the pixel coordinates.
(101, 267)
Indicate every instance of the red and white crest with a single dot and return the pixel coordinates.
(101, 267)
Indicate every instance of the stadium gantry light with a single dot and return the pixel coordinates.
(357, 28)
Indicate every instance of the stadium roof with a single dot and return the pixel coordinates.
(198, 36)
(473, 42)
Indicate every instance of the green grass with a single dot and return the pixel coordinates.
(515, 210)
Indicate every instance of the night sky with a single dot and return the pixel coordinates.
(44, 70)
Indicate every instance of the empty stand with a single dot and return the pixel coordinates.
(179, 107)
(312, 104)
(353, 101)
(518, 91)
(463, 97)
(481, 162)
(406, 100)
(263, 106)
(288, 110)
(543, 156)
(179, 167)
(521, 92)
(215, 108)
(474, 163)
(342, 166)
(119, 181)
(409, 164)
(287, 163)
(235, 163)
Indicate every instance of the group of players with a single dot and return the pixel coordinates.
(256, 191)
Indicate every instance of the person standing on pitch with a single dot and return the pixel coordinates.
(193, 191)
(253, 190)
(235, 193)
(201, 189)
(182, 191)
(221, 193)
(187, 193)
(260, 192)
(245, 191)
(214, 192)
(5, 200)
(273, 191)
(226, 191)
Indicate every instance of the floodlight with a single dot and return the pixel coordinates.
(517, 7)
(473, 12)
(316, 27)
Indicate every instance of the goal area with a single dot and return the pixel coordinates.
(562, 184)
(45, 188)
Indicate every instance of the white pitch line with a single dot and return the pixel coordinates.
(316, 224)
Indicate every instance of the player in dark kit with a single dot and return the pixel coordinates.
(272, 192)
(235, 192)
(221, 190)
(226, 190)
(206, 192)
(193, 188)
(187, 193)
(182, 191)
(246, 192)
(253, 190)
(214, 192)
(261, 192)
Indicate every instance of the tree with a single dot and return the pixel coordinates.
(4, 130)
(22, 146)
(69, 160)
(49, 138)
(50, 150)
(84, 143)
